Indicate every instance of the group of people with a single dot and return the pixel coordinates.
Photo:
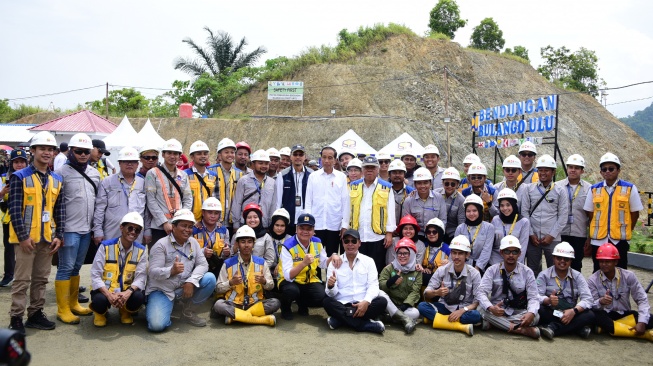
(254, 233)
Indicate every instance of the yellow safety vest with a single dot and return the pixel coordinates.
(532, 178)
(222, 190)
(5, 217)
(104, 171)
(434, 263)
(199, 192)
(202, 236)
(254, 290)
(308, 274)
(113, 277)
(379, 205)
(611, 212)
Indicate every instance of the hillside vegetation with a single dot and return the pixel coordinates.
(641, 122)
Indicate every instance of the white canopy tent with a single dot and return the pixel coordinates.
(401, 145)
(352, 142)
(124, 135)
(148, 135)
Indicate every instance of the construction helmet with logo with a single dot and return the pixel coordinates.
(128, 153)
(198, 146)
(225, 143)
(471, 159)
(183, 215)
(507, 193)
(81, 140)
(273, 153)
(460, 242)
(355, 163)
(286, 151)
(575, 159)
(43, 138)
(509, 241)
(431, 149)
(435, 222)
(546, 161)
(473, 199)
(610, 158)
(422, 174)
(405, 243)
(245, 232)
(564, 249)
(397, 165)
(477, 168)
(260, 155)
(212, 204)
(511, 161)
(132, 218)
(172, 145)
(528, 146)
(407, 220)
(451, 173)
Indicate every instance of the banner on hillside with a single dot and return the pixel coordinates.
(285, 90)
(505, 143)
(528, 116)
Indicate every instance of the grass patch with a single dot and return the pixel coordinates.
(437, 35)
(642, 241)
(504, 55)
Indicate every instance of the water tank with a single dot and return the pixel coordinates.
(186, 110)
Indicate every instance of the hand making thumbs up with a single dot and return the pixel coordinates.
(332, 280)
(554, 298)
(177, 267)
(444, 290)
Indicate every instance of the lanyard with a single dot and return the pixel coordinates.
(210, 239)
(259, 186)
(514, 221)
(571, 199)
(458, 281)
(423, 202)
(298, 180)
(432, 256)
(44, 186)
(131, 189)
(243, 274)
(174, 245)
(469, 235)
(563, 287)
(548, 189)
(453, 199)
(605, 280)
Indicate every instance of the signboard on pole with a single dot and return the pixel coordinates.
(285, 90)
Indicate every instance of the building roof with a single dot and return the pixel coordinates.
(82, 121)
(10, 133)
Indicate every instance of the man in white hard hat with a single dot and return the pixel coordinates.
(467, 162)
(291, 187)
(482, 187)
(177, 270)
(409, 158)
(400, 190)
(354, 170)
(454, 201)
(431, 158)
(384, 164)
(344, 157)
(546, 206)
(167, 191)
(275, 159)
(255, 187)
(81, 182)
(566, 300)
(613, 207)
(35, 198)
(511, 170)
(119, 273)
(201, 180)
(149, 156)
(575, 232)
(423, 203)
(212, 237)
(284, 162)
(228, 176)
(527, 156)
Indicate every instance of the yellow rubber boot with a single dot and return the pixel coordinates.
(75, 307)
(246, 317)
(62, 288)
(126, 316)
(628, 320)
(442, 322)
(623, 330)
(257, 309)
(100, 320)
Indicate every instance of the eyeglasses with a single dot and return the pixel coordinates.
(564, 259)
(513, 252)
(403, 254)
(82, 152)
(384, 161)
(608, 169)
(510, 170)
(449, 184)
(298, 153)
(475, 177)
(149, 158)
(529, 155)
(430, 232)
(350, 241)
(134, 229)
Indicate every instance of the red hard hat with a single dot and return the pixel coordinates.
(406, 243)
(250, 207)
(607, 251)
(406, 220)
(243, 145)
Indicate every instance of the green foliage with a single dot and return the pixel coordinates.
(438, 36)
(641, 241)
(508, 56)
(575, 71)
(487, 36)
(124, 101)
(519, 51)
(641, 122)
(445, 18)
(10, 114)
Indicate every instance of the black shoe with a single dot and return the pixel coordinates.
(82, 289)
(38, 320)
(547, 332)
(17, 324)
(6, 281)
(287, 314)
(584, 332)
(81, 298)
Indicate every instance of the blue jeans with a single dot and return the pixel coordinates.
(159, 307)
(428, 311)
(72, 255)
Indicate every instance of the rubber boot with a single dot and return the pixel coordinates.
(247, 317)
(75, 308)
(100, 320)
(408, 323)
(624, 330)
(628, 320)
(126, 316)
(442, 322)
(257, 309)
(62, 288)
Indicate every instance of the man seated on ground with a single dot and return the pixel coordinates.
(178, 270)
(119, 272)
(353, 290)
(242, 281)
(212, 237)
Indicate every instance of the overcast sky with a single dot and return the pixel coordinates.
(54, 46)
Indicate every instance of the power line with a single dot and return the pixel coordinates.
(57, 93)
(627, 86)
(138, 87)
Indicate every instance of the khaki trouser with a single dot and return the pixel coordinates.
(32, 270)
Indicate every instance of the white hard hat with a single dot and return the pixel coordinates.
(436, 222)
(226, 142)
(281, 212)
(346, 151)
(81, 140)
(355, 162)
(511, 162)
(609, 158)
(286, 151)
(172, 145)
(431, 149)
(451, 173)
(471, 159)
(564, 249)
(383, 156)
(396, 165)
(575, 159)
(473, 199)
(149, 147)
(509, 241)
(422, 174)
(546, 161)
(43, 138)
(528, 146)
(507, 193)
(128, 153)
(245, 232)
(460, 242)
(198, 146)
(132, 218)
(409, 152)
(260, 155)
(212, 204)
(183, 215)
(273, 153)
(477, 168)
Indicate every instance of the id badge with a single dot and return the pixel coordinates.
(508, 311)
(558, 314)
(570, 219)
(46, 216)
(298, 201)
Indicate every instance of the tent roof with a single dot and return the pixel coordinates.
(123, 135)
(82, 121)
(401, 144)
(15, 133)
(351, 141)
(148, 134)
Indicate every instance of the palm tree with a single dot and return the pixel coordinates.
(221, 57)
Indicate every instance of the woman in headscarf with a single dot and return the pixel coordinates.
(407, 228)
(277, 231)
(509, 221)
(400, 283)
(479, 233)
(263, 246)
(437, 251)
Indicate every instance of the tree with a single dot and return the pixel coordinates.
(487, 36)
(445, 18)
(126, 101)
(577, 71)
(519, 51)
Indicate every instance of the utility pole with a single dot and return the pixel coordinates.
(447, 119)
(106, 102)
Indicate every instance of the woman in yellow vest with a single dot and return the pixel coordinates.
(242, 280)
(17, 161)
(436, 252)
(119, 273)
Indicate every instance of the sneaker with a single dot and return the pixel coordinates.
(485, 325)
(547, 332)
(6, 281)
(584, 332)
(333, 323)
(374, 326)
(189, 316)
(39, 320)
(17, 324)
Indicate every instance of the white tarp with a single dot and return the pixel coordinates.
(401, 144)
(352, 142)
(124, 135)
(13, 134)
(148, 135)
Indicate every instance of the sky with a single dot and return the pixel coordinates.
(56, 46)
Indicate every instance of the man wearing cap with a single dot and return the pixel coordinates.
(285, 158)
(118, 195)
(212, 237)
(149, 155)
(424, 204)
(482, 187)
(201, 180)
(119, 273)
(400, 190)
(565, 298)
(384, 165)
(243, 151)
(344, 157)
(275, 159)
(431, 158)
(546, 206)
(575, 231)
(61, 158)
(613, 208)
(255, 187)
(409, 158)
(177, 270)
(35, 198)
(291, 188)
(81, 182)
(352, 290)
(354, 169)
(103, 166)
(527, 156)
(373, 212)
(327, 199)
(454, 201)
(167, 191)
(228, 176)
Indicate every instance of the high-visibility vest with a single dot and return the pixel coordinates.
(433, 257)
(611, 212)
(5, 216)
(308, 274)
(102, 168)
(234, 175)
(236, 294)
(203, 239)
(36, 200)
(198, 190)
(532, 178)
(379, 204)
(113, 276)
(173, 205)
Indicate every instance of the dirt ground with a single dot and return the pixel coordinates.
(183, 344)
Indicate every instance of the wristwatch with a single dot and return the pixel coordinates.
(575, 310)
(130, 289)
(466, 309)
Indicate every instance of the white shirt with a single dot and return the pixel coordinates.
(298, 177)
(327, 199)
(358, 284)
(59, 161)
(365, 215)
